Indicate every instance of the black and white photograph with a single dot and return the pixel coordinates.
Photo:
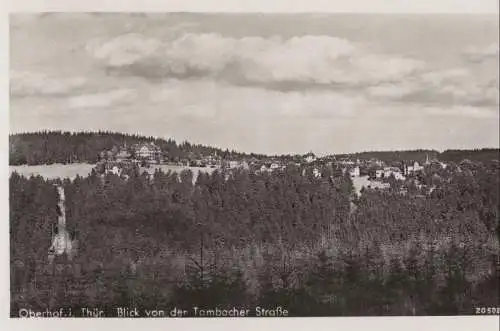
(234, 165)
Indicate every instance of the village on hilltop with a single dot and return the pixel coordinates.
(366, 173)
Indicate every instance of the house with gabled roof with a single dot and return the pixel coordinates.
(147, 151)
(310, 157)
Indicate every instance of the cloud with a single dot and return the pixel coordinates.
(439, 77)
(295, 64)
(393, 91)
(23, 84)
(343, 91)
(380, 68)
(473, 94)
(480, 54)
(319, 105)
(103, 100)
(123, 50)
(252, 60)
(462, 111)
(206, 99)
(257, 119)
(441, 88)
(462, 87)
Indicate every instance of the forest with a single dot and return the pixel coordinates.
(48, 147)
(484, 155)
(242, 239)
(477, 155)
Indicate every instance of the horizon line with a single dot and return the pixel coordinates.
(178, 142)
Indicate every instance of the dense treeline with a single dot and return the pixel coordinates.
(484, 155)
(49, 147)
(421, 155)
(270, 239)
(389, 157)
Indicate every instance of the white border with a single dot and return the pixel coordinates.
(267, 6)
(471, 323)
(363, 323)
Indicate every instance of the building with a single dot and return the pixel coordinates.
(346, 162)
(119, 169)
(363, 182)
(399, 176)
(416, 167)
(355, 172)
(396, 172)
(148, 152)
(213, 161)
(265, 168)
(244, 165)
(310, 157)
(115, 170)
(427, 161)
(233, 164)
(123, 156)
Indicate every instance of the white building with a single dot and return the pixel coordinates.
(116, 171)
(233, 164)
(147, 151)
(244, 165)
(346, 162)
(364, 182)
(396, 172)
(354, 172)
(416, 167)
(310, 157)
(399, 176)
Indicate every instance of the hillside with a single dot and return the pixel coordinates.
(477, 155)
(420, 155)
(48, 147)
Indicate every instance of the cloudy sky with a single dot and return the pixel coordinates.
(329, 83)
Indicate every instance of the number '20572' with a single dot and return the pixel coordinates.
(487, 310)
